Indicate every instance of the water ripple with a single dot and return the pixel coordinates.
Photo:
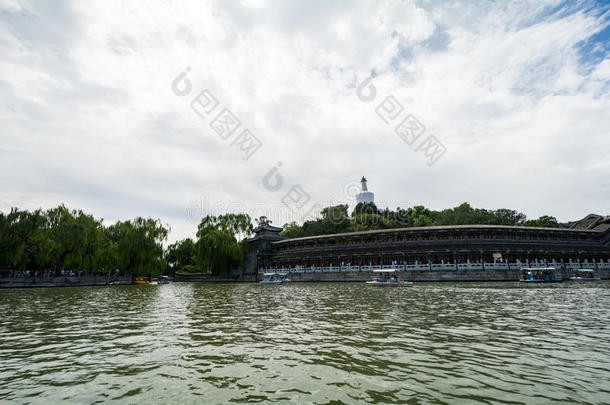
(489, 343)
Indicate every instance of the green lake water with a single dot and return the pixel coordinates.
(493, 343)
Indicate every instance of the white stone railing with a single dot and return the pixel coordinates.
(436, 267)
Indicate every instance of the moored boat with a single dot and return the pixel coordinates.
(164, 280)
(584, 275)
(388, 278)
(540, 275)
(275, 278)
(141, 280)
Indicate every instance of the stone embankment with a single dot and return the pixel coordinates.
(419, 275)
(410, 275)
(62, 281)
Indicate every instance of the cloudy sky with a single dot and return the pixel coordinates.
(514, 98)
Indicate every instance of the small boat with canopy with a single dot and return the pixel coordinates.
(584, 275)
(275, 278)
(388, 278)
(540, 275)
(141, 280)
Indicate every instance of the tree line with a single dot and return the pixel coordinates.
(219, 248)
(50, 241)
(57, 239)
(365, 217)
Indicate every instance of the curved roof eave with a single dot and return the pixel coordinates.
(434, 228)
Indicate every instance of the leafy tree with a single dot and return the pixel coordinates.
(544, 221)
(335, 219)
(218, 252)
(139, 246)
(420, 216)
(368, 217)
(181, 255)
(13, 231)
(60, 238)
(366, 222)
(509, 217)
(239, 225)
(218, 249)
(292, 230)
(365, 208)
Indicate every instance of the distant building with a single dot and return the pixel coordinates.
(593, 222)
(451, 247)
(579, 244)
(365, 196)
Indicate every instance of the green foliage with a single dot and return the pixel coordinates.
(367, 217)
(367, 222)
(60, 238)
(181, 256)
(365, 208)
(239, 225)
(509, 217)
(218, 252)
(138, 244)
(336, 218)
(546, 221)
(292, 230)
(217, 249)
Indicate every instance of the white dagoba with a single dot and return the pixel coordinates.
(365, 196)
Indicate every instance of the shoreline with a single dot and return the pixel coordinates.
(408, 275)
(339, 277)
(63, 281)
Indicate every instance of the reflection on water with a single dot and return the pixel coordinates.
(432, 343)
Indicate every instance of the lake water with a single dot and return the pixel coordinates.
(500, 343)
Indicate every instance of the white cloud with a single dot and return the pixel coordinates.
(89, 118)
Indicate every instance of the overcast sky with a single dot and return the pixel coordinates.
(515, 96)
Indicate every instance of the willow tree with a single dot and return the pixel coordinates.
(12, 239)
(218, 248)
(138, 245)
(181, 255)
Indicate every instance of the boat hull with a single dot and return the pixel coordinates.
(585, 279)
(390, 284)
(541, 281)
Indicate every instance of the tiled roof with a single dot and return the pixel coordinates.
(433, 228)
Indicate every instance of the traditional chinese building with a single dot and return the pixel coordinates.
(438, 247)
(261, 250)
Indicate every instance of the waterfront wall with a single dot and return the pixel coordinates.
(203, 278)
(62, 281)
(442, 246)
(432, 272)
(419, 276)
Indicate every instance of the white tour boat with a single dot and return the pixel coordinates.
(388, 278)
(540, 275)
(584, 275)
(275, 278)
